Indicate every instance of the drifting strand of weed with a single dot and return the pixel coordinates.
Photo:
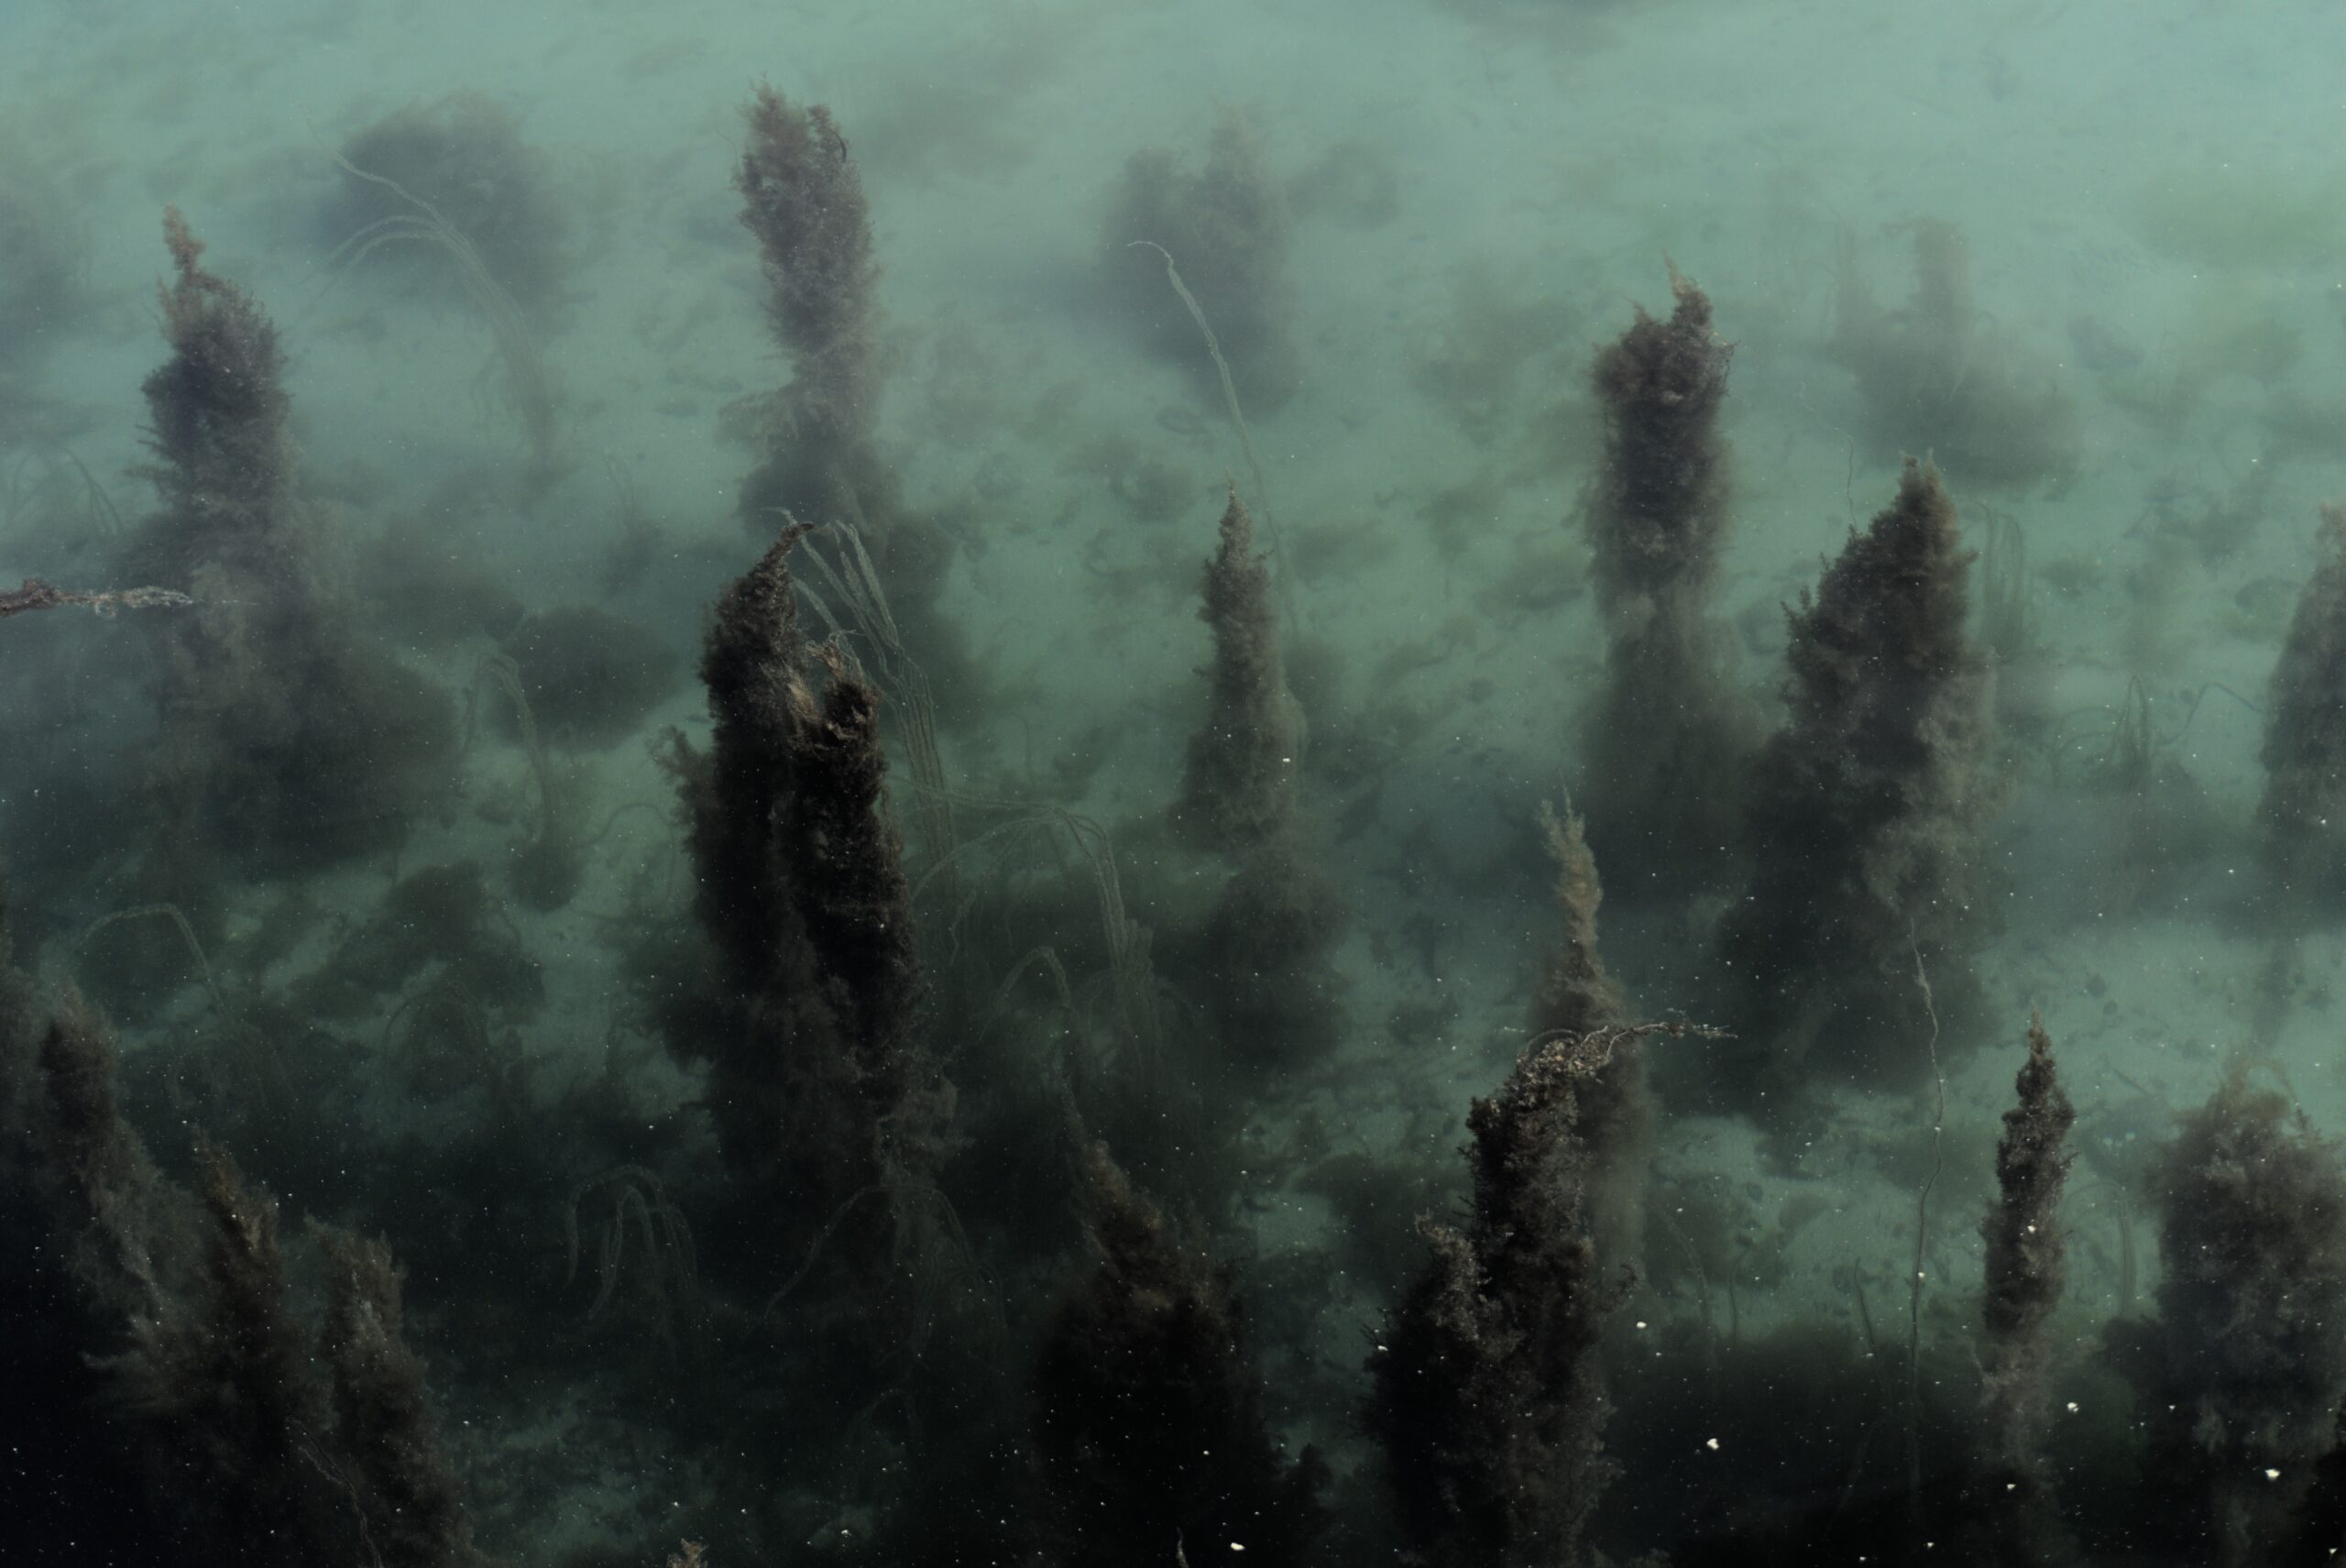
(1245, 437)
(938, 1258)
(187, 935)
(528, 384)
(1922, 1240)
(1702, 1302)
(38, 594)
(501, 1074)
(1133, 988)
(2131, 739)
(2126, 1264)
(261, 1053)
(96, 506)
(2007, 602)
(1221, 368)
(667, 1239)
(925, 1259)
(499, 670)
(1881, 1410)
(814, 1254)
(1092, 1048)
(332, 1470)
(1047, 958)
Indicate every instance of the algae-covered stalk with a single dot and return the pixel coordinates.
(803, 199)
(1268, 941)
(806, 1020)
(1867, 812)
(2248, 1359)
(1665, 737)
(1149, 1423)
(1238, 783)
(173, 1377)
(2026, 1270)
(1489, 1396)
(1576, 994)
(2304, 808)
(289, 741)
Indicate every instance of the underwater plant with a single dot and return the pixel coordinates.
(867, 1192)
(1575, 994)
(77, 1194)
(2010, 630)
(1489, 1399)
(159, 1334)
(645, 1265)
(2303, 811)
(549, 861)
(1865, 816)
(1665, 742)
(286, 739)
(242, 1432)
(456, 185)
(2242, 1373)
(2026, 1270)
(1239, 777)
(1266, 946)
(422, 596)
(807, 1019)
(1148, 1419)
(442, 917)
(1274, 993)
(802, 197)
(399, 1480)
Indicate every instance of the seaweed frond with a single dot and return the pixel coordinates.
(2303, 811)
(389, 1453)
(1148, 1423)
(802, 197)
(1489, 1396)
(1238, 781)
(2245, 1368)
(1665, 738)
(2025, 1269)
(1869, 807)
(807, 1020)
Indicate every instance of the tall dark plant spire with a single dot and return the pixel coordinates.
(2026, 1268)
(288, 740)
(806, 1020)
(2303, 811)
(1867, 812)
(1665, 738)
(1489, 1397)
